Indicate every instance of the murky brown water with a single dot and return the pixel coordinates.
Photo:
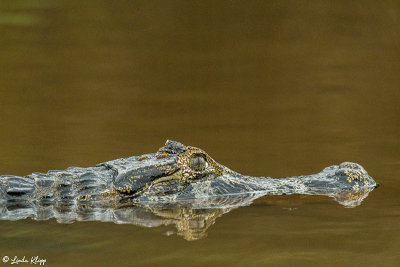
(274, 88)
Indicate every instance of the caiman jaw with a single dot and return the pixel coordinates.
(177, 175)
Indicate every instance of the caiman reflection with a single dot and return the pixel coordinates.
(180, 184)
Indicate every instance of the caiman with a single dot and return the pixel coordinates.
(178, 185)
(177, 174)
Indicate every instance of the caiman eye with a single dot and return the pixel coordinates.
(198, 163)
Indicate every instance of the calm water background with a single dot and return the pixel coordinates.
(267, 88)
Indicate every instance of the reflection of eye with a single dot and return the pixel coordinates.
(198, 163)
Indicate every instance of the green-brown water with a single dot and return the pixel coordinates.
(267, 88)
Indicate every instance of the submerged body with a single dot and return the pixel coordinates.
(177, 174)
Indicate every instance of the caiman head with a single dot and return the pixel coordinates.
(170, 170)
(179, 173)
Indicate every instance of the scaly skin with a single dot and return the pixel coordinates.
(177, 173)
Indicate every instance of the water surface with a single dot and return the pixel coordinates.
(276, 88)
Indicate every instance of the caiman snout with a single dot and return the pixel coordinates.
(354, 175)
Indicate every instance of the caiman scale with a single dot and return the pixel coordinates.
(175, 174)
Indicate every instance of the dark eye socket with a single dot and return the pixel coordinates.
(198, 163)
